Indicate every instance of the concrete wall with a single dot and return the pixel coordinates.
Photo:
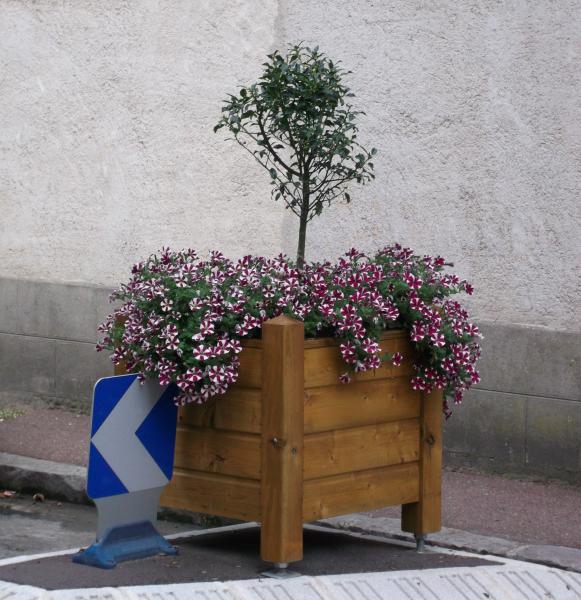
(525, 416)
(107, 153)
(47, 343)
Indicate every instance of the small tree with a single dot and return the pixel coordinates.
(297, 125)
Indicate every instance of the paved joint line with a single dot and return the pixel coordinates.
(513, 584)
(573, 586)
(358, 592)
(481, 389)
(418, 587)
(539, 583)
(479, 583)
(371, 589)
(401, 588)
(48, 337)
(322, 589)
(343, 587)
(451, 580)
(520, 577)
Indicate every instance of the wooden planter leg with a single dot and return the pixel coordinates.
(281, 536)
(424, 516)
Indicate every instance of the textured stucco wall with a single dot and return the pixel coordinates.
(475, 107)
(107, 153)
(106, 144)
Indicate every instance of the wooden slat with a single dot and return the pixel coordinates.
(329, 341)
(385, 338)
(237, 410)
(361, 448)
(365, 490)
(250, 373)
(324, 366)
(359, 403)
(120, 369)
(252, 343)
(424, 516)
(215, 451)
(282, 440)
(213, 494)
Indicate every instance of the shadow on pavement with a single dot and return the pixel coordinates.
(231, 555)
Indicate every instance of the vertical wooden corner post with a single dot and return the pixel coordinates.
(281, 491)
(424, 516)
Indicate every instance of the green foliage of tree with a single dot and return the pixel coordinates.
(296, 123)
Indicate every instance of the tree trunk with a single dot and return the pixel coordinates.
(303, 222)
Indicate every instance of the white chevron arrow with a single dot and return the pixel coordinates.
(121, 448)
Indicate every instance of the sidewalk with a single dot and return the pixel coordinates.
(483, 513)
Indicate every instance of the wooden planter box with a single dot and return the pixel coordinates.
(289, 443)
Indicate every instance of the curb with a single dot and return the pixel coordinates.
(61, 481)
(57, 480)
(68, 482)
(560, 557)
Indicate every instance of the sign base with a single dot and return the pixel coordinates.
(280, 571)
(125, 542)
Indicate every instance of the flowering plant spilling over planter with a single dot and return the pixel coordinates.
(183, 318)
(307, 390)
(273, 429)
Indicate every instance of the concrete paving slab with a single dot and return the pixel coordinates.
(528, 372)
(501, 435)
(554, 435)
(78, 366)
(52, 310)
(27, 364)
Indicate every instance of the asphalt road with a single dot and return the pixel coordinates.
(29, 527)
(522, 513)
(533, 512)
(212, 555)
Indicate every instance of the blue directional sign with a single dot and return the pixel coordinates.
(132, 436)
(133, 431)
